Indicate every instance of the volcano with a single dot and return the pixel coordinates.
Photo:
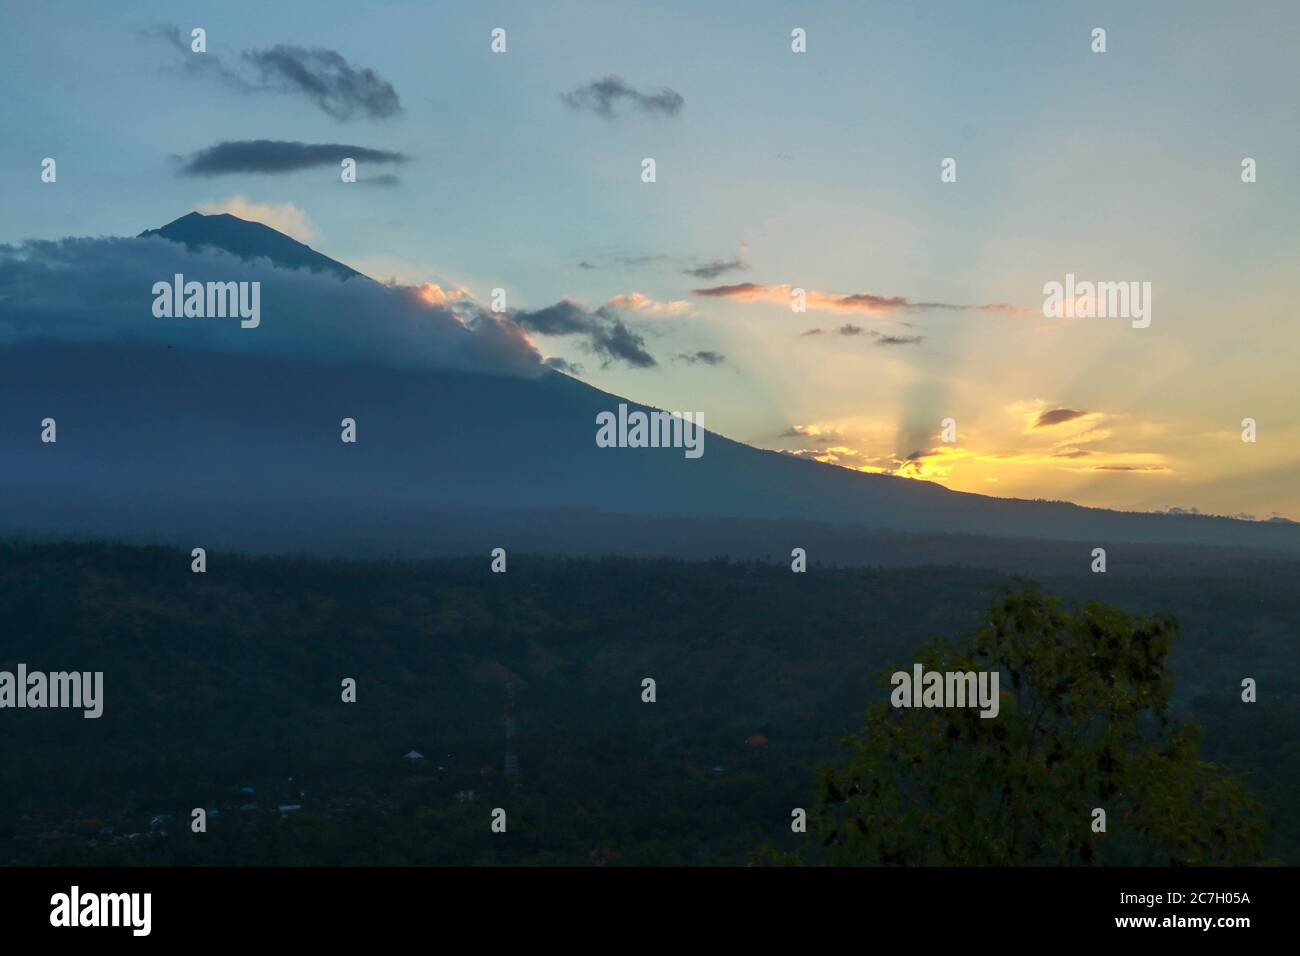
(186, 444)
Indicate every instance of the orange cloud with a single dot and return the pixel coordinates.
(858, 303)
(636, 302)
(434, 294)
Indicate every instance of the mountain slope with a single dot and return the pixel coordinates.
(249, 241)
(188, 440)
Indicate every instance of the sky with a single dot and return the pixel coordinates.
(774, 170)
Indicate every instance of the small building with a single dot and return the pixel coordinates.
(755, 740)
(413, 757)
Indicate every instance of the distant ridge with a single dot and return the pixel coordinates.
(248, 240)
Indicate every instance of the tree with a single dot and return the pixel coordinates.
(1084, 724)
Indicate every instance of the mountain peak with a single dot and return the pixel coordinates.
(248, 240)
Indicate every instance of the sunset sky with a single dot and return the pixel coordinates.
(775, 170)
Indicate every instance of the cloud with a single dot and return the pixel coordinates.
(1138, 468)
(636, 302)
(564, 318)
(340, 89)
(623, 261)
(1067, 428)
(435, 294)
(330, 81)
(284, 217)
(1057, 416)
(711, 270)
(849, 330)
(705, 357)
(840, 455)
(863, 451)
(862, 303)
(619, 343)
(100, 290)
(279, 156)
(604, 335)
(821, 434)
(563, 365)
(846, 330)
(383, 179)
(603, 96)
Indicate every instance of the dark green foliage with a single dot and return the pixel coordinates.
(232, 678)
(1085, 723)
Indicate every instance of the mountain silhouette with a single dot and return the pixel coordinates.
(248, 240)
(196, 447)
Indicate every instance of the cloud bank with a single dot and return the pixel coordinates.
(100, 290)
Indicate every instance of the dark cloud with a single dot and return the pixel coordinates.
(869, 302)
(279, 156)
(604, 334)
(711, 270)
(619, 343)
(849, 330)
(603, 96)
(323, 76)
(620, 261)
(1058, 416)
(727, 291)
(563, 318)
(705, 357)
